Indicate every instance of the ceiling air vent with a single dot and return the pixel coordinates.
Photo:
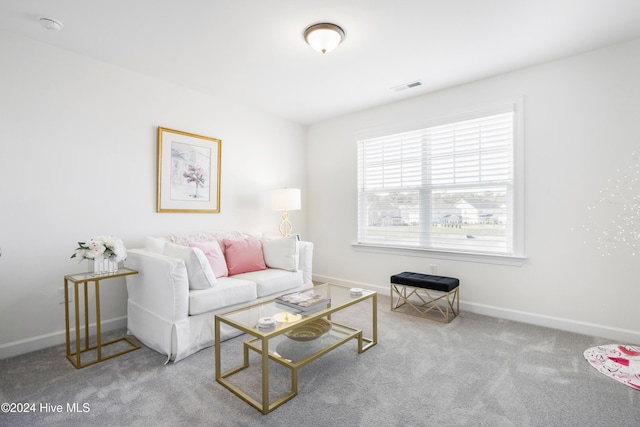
(410, 85)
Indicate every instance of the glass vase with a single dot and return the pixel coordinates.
(112, 265)
(98, 265)
(102, 266)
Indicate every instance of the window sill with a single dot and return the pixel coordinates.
(510, 260)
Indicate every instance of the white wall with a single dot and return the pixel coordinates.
(78, 156)
(581, 124)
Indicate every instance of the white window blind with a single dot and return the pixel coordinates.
(447, 187)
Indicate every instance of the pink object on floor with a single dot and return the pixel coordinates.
(620, 362)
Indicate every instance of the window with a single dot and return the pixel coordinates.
(449, 187)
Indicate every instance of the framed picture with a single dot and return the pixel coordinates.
(188, 172)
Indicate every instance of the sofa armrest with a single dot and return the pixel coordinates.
(161, 285)
(305, 262)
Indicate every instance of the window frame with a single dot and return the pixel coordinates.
(517, 255)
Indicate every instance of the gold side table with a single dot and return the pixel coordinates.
(84, 279)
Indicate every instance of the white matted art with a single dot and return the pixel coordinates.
(188, 172)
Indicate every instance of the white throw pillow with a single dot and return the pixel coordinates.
(215, 257)
(155, 244)
(198, 269)
(281, 252)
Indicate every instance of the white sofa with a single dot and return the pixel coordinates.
(171, 305)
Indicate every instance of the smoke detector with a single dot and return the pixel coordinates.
(51, 24)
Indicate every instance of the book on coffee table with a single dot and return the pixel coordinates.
(303, 300)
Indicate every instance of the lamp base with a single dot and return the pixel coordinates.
(285, 225)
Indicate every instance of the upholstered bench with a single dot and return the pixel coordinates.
(437, 295)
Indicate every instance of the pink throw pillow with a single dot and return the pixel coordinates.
(214, 255)
(244, 256)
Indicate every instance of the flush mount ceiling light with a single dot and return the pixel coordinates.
(51, 24)
(324, 37)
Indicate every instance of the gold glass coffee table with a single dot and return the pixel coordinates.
(297, 339)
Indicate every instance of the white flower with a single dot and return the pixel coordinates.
(106, 246)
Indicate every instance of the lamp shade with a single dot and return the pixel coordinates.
(285, 199)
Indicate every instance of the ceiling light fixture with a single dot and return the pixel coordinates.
(51, 24)
(324, 37)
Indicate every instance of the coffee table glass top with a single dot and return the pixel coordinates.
(288, 317)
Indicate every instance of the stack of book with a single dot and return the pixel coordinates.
(304, 300)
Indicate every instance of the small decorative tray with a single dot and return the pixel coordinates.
(310, 331)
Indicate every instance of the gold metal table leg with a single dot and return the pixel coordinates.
(66, 315)
(217, 349)
(77, 304)
(265, 375)
(374, 334)
(98, 331)
(86, 317)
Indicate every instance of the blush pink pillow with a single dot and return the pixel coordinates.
(244, 256)
(214, 255)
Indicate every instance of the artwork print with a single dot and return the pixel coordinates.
(188, 172)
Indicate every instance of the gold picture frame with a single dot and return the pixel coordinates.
(188, 172)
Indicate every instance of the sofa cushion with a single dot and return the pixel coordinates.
(227, 292)
(214, 255)
(198, 269)
(273, 280)
(244, 255)
(281, 252)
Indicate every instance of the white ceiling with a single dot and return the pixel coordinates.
(252, 51)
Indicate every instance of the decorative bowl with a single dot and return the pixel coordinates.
(310, 331)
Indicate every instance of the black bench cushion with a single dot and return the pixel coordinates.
(418, 280)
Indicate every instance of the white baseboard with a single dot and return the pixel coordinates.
(621, 336)
(28, 345)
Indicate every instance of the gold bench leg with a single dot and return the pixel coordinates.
(428, 301)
